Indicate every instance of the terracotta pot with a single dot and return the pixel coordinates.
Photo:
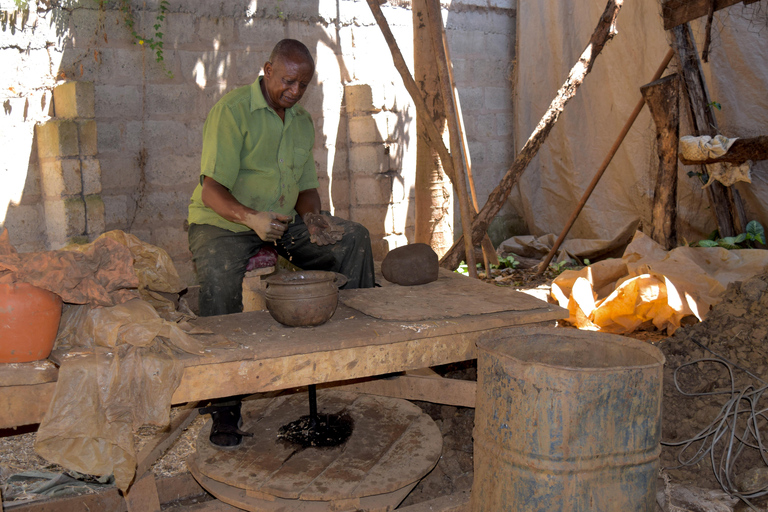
(29, 321)
(303, 299)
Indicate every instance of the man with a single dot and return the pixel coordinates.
(258, 185)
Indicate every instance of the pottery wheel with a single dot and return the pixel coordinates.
(392, 446)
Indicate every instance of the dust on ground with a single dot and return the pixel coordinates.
(735, 329)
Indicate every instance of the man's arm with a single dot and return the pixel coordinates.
(308, 202)
(268, 225)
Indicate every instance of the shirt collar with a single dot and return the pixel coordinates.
(258, 101)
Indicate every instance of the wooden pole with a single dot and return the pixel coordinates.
(489, 252)
(435, 27)
(661, 96)
(601, 170)
(605, 30)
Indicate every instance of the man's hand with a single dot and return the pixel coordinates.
(270, 226)
(321, 230)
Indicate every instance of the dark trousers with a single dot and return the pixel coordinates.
(221, 257)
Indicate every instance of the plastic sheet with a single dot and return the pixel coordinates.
(650, 285)
(124, 379)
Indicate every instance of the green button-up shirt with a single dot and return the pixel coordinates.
(263, 161)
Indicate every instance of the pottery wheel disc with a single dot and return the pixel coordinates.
(392, 446)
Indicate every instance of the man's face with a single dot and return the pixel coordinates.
(286, 80)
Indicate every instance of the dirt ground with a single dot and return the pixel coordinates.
(735, 329)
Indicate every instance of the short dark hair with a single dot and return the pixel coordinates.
(289, 49)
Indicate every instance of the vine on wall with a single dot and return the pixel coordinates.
(155, 43)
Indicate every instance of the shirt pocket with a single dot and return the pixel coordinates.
(300, 156)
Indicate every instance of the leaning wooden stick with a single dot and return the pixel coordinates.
(599, 174)
(433, 136)
(605, 30)
(435, 22)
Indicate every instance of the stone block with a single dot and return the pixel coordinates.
(57, 138)
(64, 219)
(466, 43)
(170, 136)
(177, 32)
(171, 170)
(74, 99)
(120, 173)
(261, 34)
(372, 190)
(372, 217)
(109, 136)
(505, 124)
(88, 137)
(485, 126)
(173, 100)
(91, 175)
(26, 226)
(118, 101)
(85, 25)
(367, 129)
(215, 33)
(358, 98)
(472, 98)
(94, 216)
(367, 158)
(498, 98)
(116, 211)
(500, 46)
(61, 177)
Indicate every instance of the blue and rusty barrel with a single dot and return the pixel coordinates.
(567, 420)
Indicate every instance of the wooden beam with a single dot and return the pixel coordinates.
(142, 496)
(435, 389)
(604, 32)
(661, 97)
(156, 447)
(755, 148)
(725, 202)
(677, 12)
(457, 502)
(24, 405)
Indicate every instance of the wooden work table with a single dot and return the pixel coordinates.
(251, 352)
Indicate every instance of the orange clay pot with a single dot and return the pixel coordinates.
(29, 321)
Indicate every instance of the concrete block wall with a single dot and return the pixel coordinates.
(148, 117)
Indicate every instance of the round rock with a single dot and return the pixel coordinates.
(410, 265)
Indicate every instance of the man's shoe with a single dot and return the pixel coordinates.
(225, 429)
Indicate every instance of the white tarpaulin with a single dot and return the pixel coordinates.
(551, 35)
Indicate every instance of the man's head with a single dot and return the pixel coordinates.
(287, 74)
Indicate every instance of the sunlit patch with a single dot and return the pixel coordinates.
(198, 73)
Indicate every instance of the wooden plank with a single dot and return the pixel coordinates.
(24, 405)
(178, 487)
(212, 506)
(27, 374)
(156, 447)
(661, 97)
(677, 12)
(754, 148)
(438, 390)
(458, 502)
(142, 496)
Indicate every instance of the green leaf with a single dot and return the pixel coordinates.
(740, 238)
(707, 243)
(726, 245)
(755, 229)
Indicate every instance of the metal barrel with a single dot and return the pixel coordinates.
(567, 420)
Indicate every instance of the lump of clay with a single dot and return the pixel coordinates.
(410, 265)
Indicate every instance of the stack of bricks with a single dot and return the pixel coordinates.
(379, 200)
(70, 171)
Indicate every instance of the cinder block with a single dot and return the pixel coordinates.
(503, 4)
(94, 215)
(57, 138)
(26, 226)
(116, 211)
(261, 34)
(91, 176)
(74, 99)
(485, 126)
(119, 174)
(88, 137)
(215, 33)
(171, 136)
(171, 99)
(172, 239)
(339, 193)
(367, 158)
(64, 219)
(499, 46)
(61, 177)
(119, 101)
(367, 129)
(372, 217)
(498, 98)
(505, 124)
(471, 98)
(177, 33)
(358, 98)
(372, 190)
(171, 170)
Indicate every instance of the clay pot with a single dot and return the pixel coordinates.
(29, 321)
(303, 299)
